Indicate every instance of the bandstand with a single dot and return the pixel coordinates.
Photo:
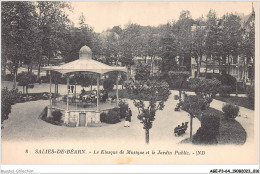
(82, 110)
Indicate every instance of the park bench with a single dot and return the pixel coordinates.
(179, 130)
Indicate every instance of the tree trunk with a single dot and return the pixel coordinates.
(26, 89)
(15, 75)
(39, 73)
(23, 89)
(147, 136)
(152, 64)
(228, 64)
(206, 67)
(4, 67)
(198, 69)
(191, 127)
(31, 67)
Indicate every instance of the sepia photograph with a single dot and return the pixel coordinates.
(85, 82)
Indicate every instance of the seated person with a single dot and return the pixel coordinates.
(83, 92)
(105, 96)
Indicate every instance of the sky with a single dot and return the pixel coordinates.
(104, 15)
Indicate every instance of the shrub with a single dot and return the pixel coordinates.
(103, 117)
(207, 133)
(112, 117)
(211, 122)
(108, 84)
(123, 108)
(8, 98)
(8, 77)
(56, 115)
(230, 110)
(251, 95)
(227, 80)
(142, 71)
(225, 91)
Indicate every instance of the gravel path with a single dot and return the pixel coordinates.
(24, 125)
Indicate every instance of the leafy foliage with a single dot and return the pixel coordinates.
(108, 84)
(148, 96)
(57, 115)
(209, 130)
(207, 133)
(8, 98)
(178, 79)
(193, 104)
(142, 71)
(111, 117)
(251, 95)
(227, 80)
(225, 91)
(230, 110)
(206, 88)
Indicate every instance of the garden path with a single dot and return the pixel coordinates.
(24, 125)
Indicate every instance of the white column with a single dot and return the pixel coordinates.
(50, 90)
(68, 80)
(98, 77)
(50, 106)
(66, 117)
(97, 114)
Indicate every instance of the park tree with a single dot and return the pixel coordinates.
(205, 88)
(24, 79)
(212, 50)
(148, 96)
(182, 31)
(128, 44)
(54, 25)
(193, 104)
(198, 44)
(148, 44)
(247, 51)
(19, 25)
(142, 71)
(178, 78)
(110, 47)
(230, 38)
(168, 50)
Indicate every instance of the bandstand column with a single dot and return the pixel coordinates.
(97, 115)
(68, 81)
(98, 78)
(50, 106)
(66, 117)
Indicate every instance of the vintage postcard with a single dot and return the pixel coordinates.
(129, 82)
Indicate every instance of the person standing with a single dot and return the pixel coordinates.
(128, 117)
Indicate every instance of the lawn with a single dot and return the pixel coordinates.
(240, 101)
(230, 131)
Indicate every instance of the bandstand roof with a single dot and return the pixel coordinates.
(85, 63)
